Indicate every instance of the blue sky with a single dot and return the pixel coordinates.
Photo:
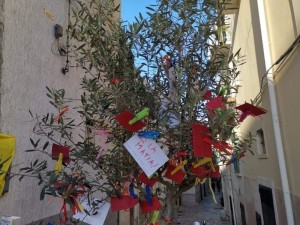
(131, 8)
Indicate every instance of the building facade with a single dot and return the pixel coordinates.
(266, 188)
(31, 58)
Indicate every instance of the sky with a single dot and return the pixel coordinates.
(131, 8)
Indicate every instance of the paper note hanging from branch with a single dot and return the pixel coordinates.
(7, 151)
(249, 110)
(146, 153)
(98, 211)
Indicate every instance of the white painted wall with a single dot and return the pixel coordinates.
(28, 67)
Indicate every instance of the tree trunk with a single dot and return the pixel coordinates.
(169, 214)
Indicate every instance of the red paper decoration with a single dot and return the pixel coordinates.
(215, 103)
(144, 179)
(178, 177)
(220, 145)
(201, 171)
(200, 147)
(124, 117)
(250, 110)
(115, 81)
(123, 203)
(65, 150)
(207, 95)
(145, 207)
(215, 174)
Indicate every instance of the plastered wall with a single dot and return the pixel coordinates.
(28, 66)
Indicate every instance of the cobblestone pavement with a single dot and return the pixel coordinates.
(206, 210)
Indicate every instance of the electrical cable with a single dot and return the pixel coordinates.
(66, 68)
(282, 58)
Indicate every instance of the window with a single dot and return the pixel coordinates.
(260, 142)
(243, 215)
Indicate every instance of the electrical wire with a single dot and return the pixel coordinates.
(281, 59)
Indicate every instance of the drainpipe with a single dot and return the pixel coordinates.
(274, 112)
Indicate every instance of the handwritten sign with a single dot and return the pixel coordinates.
(146, 153)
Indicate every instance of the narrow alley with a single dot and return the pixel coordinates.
(206, 210)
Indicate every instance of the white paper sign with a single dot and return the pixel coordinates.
(100, 211)
(9, 220)
(146, 153)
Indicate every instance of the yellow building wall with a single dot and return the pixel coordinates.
(283, 19)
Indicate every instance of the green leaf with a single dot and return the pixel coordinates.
(80, 47)
(42, 194)
(45, 145)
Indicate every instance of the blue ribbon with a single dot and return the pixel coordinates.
(148, 194)
(131, 191)
(149, 134)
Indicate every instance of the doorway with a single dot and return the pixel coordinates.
(267, 205)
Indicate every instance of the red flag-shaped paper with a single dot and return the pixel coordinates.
(123, 203)
(65, 150)
(144, 179)
(201, 171)
(176, 177)
(215, 103)
(215, 174)
(250, 110)
(145, 207)
(124, 117)
(207, 95)
(220, 145)
(200, 147)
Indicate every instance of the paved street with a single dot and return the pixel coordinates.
(206, 210)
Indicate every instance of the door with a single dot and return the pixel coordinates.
(267, 205)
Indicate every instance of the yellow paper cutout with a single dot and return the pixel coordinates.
(49, 14)
(58, 166)
(154, 216)
(204, 161)
(179, 167)
(7, 151)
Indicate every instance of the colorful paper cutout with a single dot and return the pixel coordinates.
(207, 95)
(123, 203)
(215, 103)
(65, 150)
(178, 177)
(201, 171)
(146, 208)
(140, 115)
(146, 153)
(216, 173)
(200, 147)
(144, 179)
(249, 110)
(7, 152)
(124, 117)
(220, 145)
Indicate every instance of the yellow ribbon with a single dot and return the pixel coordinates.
(179, 167)
(154, 217)
(203, 161)
(198, 181)
(212, 191)
(58, 166)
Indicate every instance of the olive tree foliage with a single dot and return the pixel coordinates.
(190, 35)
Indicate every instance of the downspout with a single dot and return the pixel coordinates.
(274, 112)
